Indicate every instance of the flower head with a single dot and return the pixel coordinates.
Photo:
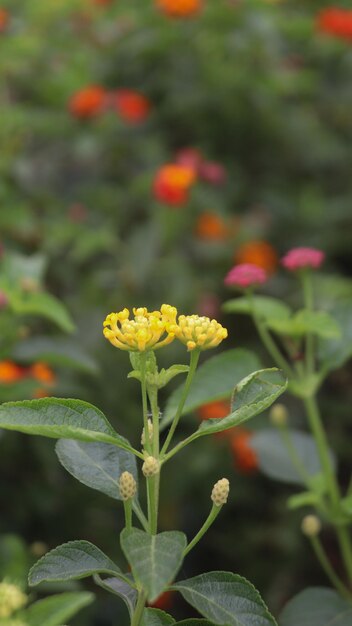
(244, 456)
(245, 275)
(199, 332)
(151, 466)
(335, 21)
(211, 227)
(147, 331)
(4, 19)
(179, 8)
(260, 253)
(11, 599)
(88, 102)
(132, 106)
(127, 486)
(220, 492)
(311, 525)
(10, 372)
(214, 410)
(172, 183)
(43, 373)
(301, 258)
(212, 172)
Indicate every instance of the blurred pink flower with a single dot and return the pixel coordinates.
(212, 172)
(300, 258)
(209, 305)
(189, 157)
(245, 275)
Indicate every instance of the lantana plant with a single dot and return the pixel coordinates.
(94, 453)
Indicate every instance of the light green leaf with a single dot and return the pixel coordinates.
(97, 465)
(275, 460)
(335, 352)
(42, 304)
(71, 561)
(317, 606)
(155, 617)
(119, 587)
(251, 396)
(55, 351)
(214, 380)
(265, 307)
(306, 498)
(57, 609)
(154, 559)
(225, 598)
(318, 323)
(346, 504)
(60, 418)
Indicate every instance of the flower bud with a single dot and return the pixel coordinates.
(11, 599)
(150, 433)
(127, 486)
(150, 467)
(311, 525)
(278, 415)
(220, 492)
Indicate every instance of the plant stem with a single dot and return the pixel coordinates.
(127, 505)
(139, 610)
(307, 286)
(328, 569)
(144, 400)
(154, 481)
(153, 502)
(208, 522)
(139, 513)
(192, 368)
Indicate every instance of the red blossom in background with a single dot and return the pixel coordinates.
(212, 172)
(260, 253)
(164, 602)
(132, 106)
(214, 410)
(301, 258)
(245, 275)
(335, 21)
(172, 183)
(4, 19)
(179, 8)
(244, 456)
(88, 102)
(211, 227)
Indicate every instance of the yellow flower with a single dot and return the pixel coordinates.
(199, 332)
(145, 332)
(11, 599)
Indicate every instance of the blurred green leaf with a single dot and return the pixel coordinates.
(317, 606)
(266, 307)
(55, 610)
(55, 351)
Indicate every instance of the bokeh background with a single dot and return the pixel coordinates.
(146, 147)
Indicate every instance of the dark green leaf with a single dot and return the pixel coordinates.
(225, 598)
(119, 587)
(317, 606)
(265, 307)
(154, 559)
(335, 352)
(155, 617)
(56, 610)
(55, 351)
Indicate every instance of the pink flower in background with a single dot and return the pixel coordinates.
(245, 275)
(300, 258)
(212, 172)
(189, 157)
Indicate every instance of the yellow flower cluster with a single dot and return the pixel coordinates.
(11, 599)
(199, 332)
(149, 331)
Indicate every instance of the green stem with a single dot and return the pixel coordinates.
(144, 400)
(127, 504)
(208, 522)
(268, 341)
(139, 610)
(153, 501)
(328, 569)
(192, 368)
(139, 513)
(307, 286)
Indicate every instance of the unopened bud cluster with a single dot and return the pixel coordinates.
(150, 433)
(11, 599)
(220, 492)
(278, 415)
(150, 467)
(311, 525)
(127, 486)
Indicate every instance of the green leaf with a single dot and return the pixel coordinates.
(317, 606)
(306, 498)
(274, 459)
(55, 351)
(71, 561)
(225, 598)
(213, 381)
(266, 307)
(41, 304)
(119, 587)
(56, 610)
(335, 352)
(154, 559)
(195, 622)
(346, 505)
(155, 617)
(97, 465)
(252, 395)
(318, 323)
(60, 418)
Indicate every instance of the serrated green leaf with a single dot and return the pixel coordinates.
(265, 307)
(55, 610)
(214, 380)
(60, 419)
(317, 606)
(71, 561)
(55, 351)
(225, 598)
(154, 559)
(97, 465)
(155, 617)
(119, 587)
(318, 323)
(252, 395)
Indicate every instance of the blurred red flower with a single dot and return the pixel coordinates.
(179, 8)
(214, 410)
(88, 102)
(190, 157)
(164, 601)
(244, 456)
(4, 19)
(335, 21)
(42, 372)
(212, 172)
(132, 106)
(172, 183)
(10, 372)
(260, 253)
(211, 226)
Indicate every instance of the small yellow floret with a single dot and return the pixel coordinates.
(127, 486)
(278, 415)
(220, 492)
(145, 332)
(11, 599)
(311, 525)
(199, 332)
(151, 466)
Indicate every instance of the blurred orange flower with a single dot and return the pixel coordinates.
(132, 106)
(244, 456)
(88, 102)
(179, 8)
(211, 226)
(172, 183)
(164, 601)
(335, 21)
(10, 372)
(4, 19)
(217, 409)
(103, 3)
(260, 253)
(43, 373)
